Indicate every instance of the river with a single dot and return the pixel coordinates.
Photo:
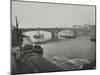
(79, 47)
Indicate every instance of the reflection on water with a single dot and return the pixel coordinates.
(79, 47)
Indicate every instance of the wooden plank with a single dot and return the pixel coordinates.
(44, 65)
(37, 64)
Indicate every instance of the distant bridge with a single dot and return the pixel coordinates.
(54, 31)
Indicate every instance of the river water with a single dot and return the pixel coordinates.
(79, 47)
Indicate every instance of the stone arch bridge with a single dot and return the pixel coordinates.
(54, 31)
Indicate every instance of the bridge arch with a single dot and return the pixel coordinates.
(66, 33)
(46, 34)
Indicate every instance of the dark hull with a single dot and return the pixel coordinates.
(93, 39)
(67, 36)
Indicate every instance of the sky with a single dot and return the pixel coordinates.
(34, 14)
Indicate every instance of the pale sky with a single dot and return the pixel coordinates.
(32, 14)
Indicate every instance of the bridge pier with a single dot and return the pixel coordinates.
(75, 33)
(54, 35)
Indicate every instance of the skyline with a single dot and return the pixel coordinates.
(51, 15)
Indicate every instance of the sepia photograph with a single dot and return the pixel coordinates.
(52, 37)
